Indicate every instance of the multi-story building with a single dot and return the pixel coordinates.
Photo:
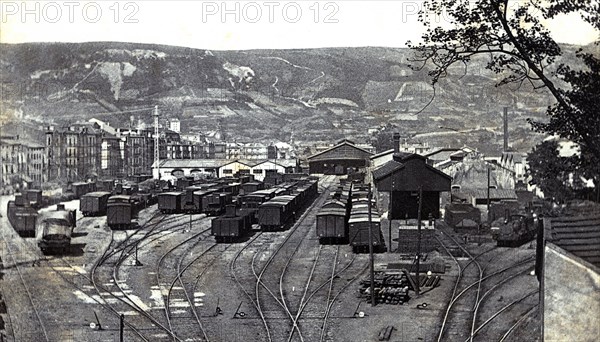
(112, 156)
(73, 152)
(21, 161)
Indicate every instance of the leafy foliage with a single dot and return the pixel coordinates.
(559, 178)
(521, 50)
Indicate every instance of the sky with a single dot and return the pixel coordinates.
(233, 25)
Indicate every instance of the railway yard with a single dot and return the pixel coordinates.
(169, 280)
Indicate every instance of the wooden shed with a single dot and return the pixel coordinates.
(403, 177)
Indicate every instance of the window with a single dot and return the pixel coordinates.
(257, 171)
(227, 171)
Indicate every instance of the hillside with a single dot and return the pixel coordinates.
(317, 94)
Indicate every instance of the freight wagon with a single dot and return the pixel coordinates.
(170, 202)
(331, 225)
(34, 197)
(121, 211)
(213, 204)
(94, 203)
(358, 233)
(252, 187)
(80, 188)
(54, 229)
(231, 226)
(516, 231)
(276, 213)
(22, 217)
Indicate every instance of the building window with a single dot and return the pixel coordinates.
(257, 171)
(227, 171)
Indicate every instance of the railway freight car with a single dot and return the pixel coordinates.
(232, 225)
(34, 197)
(94, 203)
(274, 214)
(331, 225)
(54, 229)
(80, 188)
(121, 212)
(213, 204)
(21, 216)
(358, 233)
(170, 202)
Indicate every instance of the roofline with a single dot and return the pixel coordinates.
(576, 258)
(338, 145)
(446, 149)
(380, 154)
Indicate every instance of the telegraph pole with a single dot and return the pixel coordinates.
(156, 140)
(372, 271)
(417, 282)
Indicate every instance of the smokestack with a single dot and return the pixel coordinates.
(505, 129)
(396, 142)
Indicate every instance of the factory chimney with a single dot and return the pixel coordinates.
(505, 120)
(396, 142)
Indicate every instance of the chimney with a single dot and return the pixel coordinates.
(60, 207)
(396, 142)
(505, 117)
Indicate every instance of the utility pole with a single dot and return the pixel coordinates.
(156, 140)
(372, 271)
(488, 194)
(417, 282)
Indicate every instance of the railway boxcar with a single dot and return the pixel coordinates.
(231, 226)
(249, 187)
(81, 188)
(22, 218)
(54, 229)
(121, 211)
(170, 202)
(276, 213)
(358, 232)
(516, 231)
(213, 204)
(331, 225)
(94, 203)
(107, 185)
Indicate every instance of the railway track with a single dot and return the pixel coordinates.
(38, 332)
(166, 284)
(111, 261)
(459, 309)
(270, 291)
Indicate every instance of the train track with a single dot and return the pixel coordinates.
(33, 333)
(476, 289)
(121, 252)
(254, 295)
(192, 241)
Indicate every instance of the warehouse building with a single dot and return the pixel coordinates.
(337, 160)
(403, 177)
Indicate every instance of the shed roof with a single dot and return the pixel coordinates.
(408, 172)
(578, 235)
(194, 163)
(343, 150)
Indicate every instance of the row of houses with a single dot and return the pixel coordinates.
(95, 149)
(21, 161)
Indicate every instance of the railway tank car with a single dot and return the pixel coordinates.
(54, 229)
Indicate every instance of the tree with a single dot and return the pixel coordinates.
(520, 48)
(559, 178)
